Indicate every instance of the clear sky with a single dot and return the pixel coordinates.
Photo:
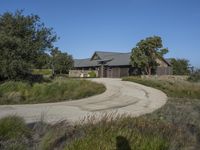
(85, 26)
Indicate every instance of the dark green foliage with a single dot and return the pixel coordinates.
(180, 66)
(43, 61)
(92, 74)
(146, 52)
(61, 62)
(23, 39)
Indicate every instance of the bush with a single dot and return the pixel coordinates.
(13, 127)
(92, 74)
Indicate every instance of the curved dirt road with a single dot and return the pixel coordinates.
(121, 97)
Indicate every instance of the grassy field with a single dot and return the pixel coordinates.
(181, 110)
(173, 88)
(60, 89)
(110, 133)
(175, 126)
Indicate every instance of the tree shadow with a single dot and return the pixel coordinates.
(122, 143)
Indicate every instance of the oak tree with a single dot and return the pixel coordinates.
(23, 38)
(146, 52)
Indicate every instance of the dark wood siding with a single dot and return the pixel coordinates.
(164, 71)
(124, 72)
(115, 72)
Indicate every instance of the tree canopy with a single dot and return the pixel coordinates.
(146, 52)
(61, 62)
(180, 66)
(22, 40)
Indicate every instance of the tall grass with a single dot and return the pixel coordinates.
(58, 90)
(12, 127)
(107, 132)
(176, 89)
(14, 134)
(113, 133)
(120, 133)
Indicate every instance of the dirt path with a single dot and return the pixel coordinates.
(120, 96)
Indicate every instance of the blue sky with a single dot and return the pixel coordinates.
(85, 26)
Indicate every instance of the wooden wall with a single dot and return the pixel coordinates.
(164, 71)
(117, 72)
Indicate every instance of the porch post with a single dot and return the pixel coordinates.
(102, 70)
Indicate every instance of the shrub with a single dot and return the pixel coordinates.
(92, 74)
(13, 127)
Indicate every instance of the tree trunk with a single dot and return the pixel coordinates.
(146, 70)
(149, 71)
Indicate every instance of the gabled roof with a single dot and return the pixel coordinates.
(111, 59)
(85, 63)
(106, 55)
(122, 59)
(168, 60)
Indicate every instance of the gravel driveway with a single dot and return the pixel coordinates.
(121, 97)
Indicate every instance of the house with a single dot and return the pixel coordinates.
(112, 65)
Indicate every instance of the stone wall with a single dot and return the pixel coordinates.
(81, 73)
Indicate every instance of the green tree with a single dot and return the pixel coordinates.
(61, 62)
(22, 40)
(146, 52)
(43, 61)
(180, 66)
